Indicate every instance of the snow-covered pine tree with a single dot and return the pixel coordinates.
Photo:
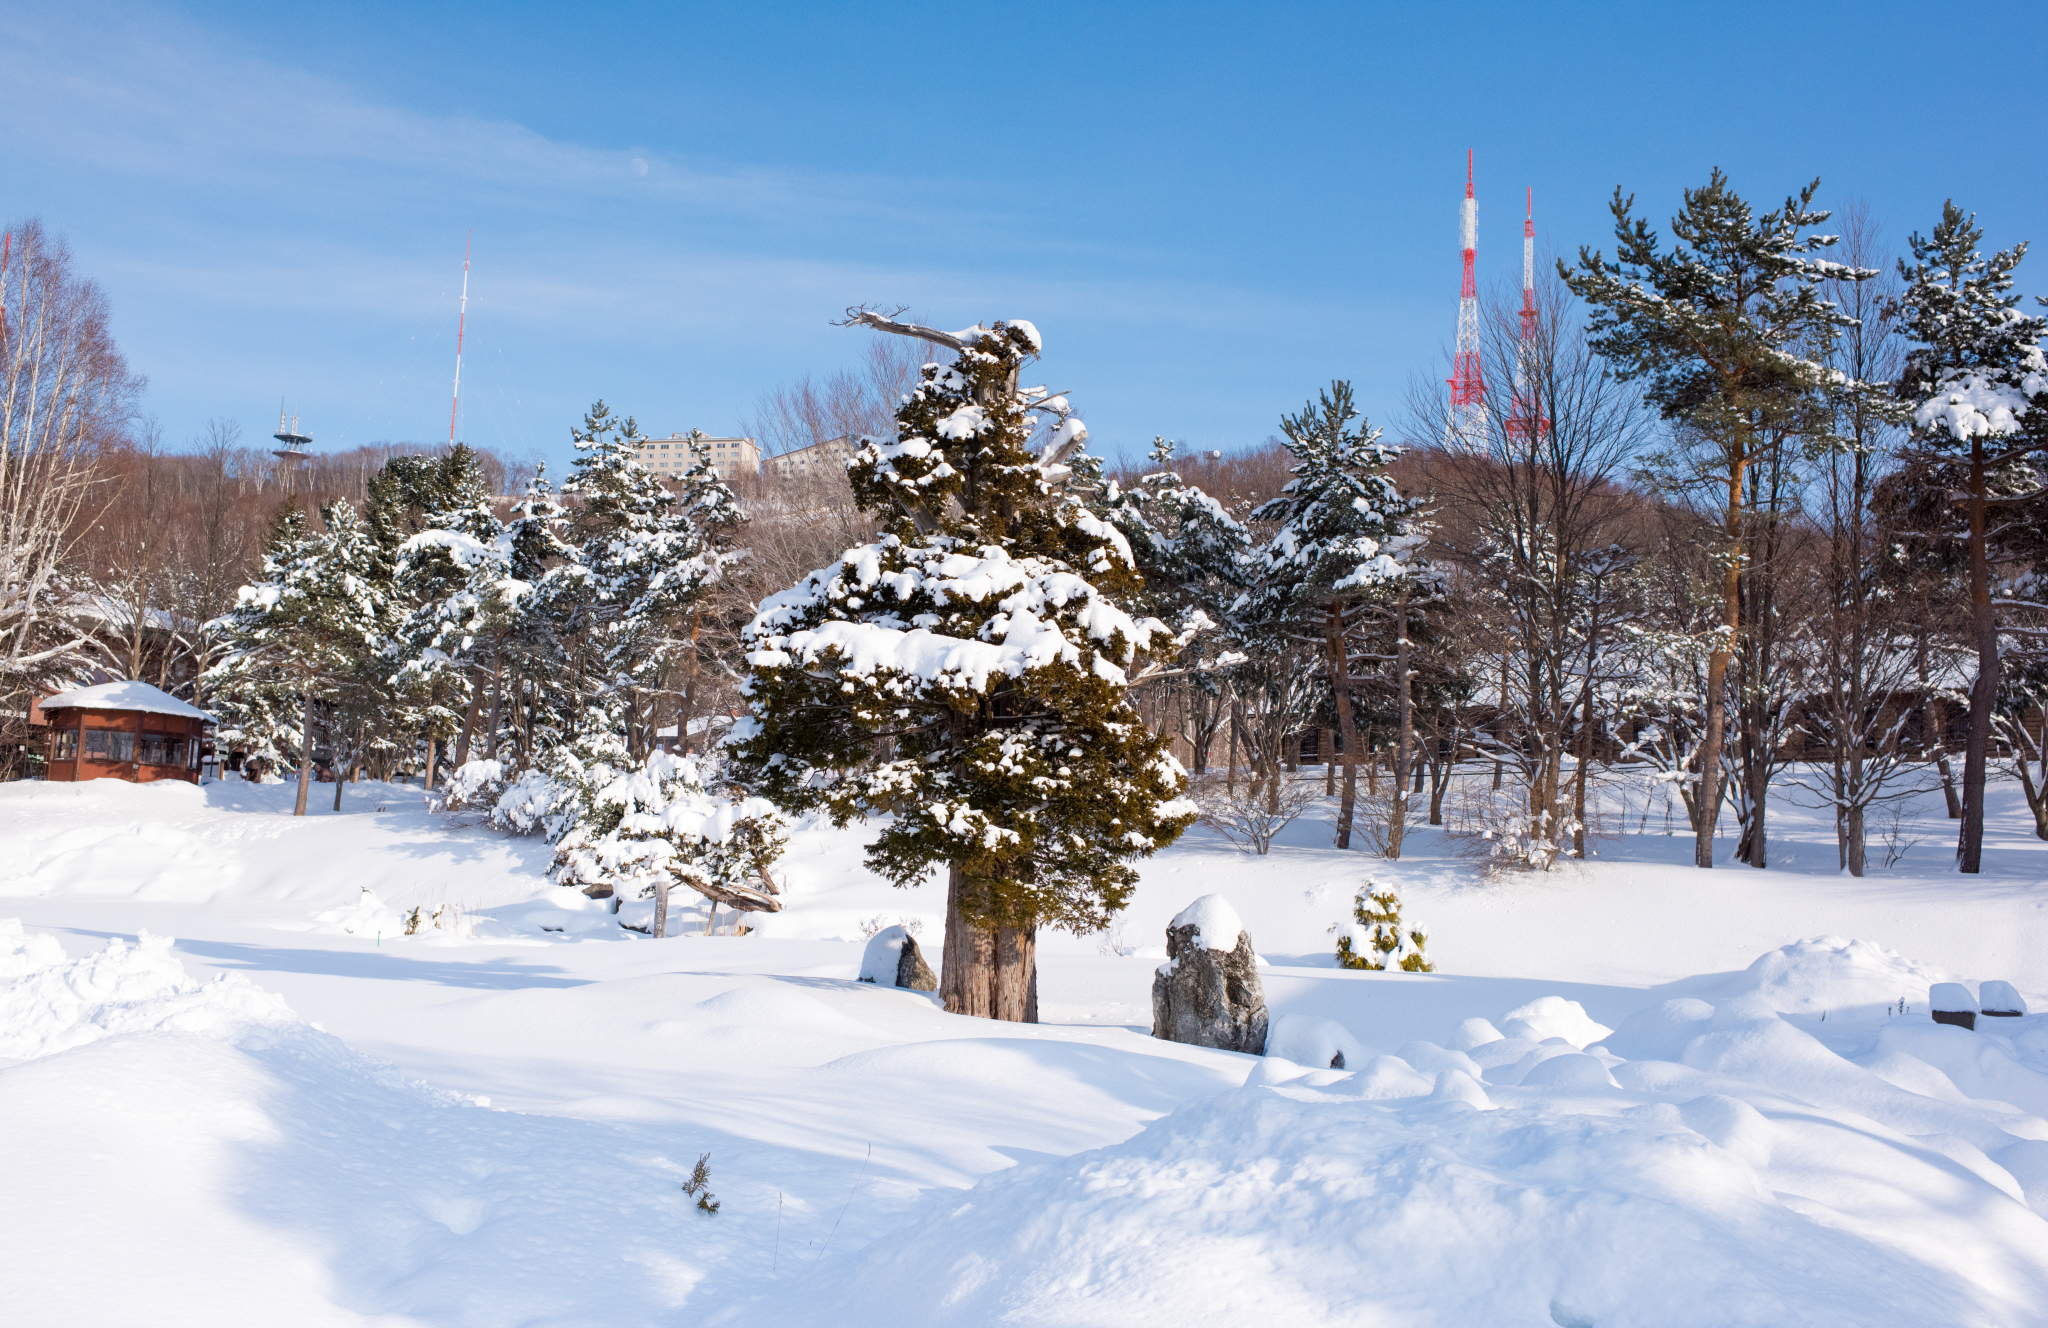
(426, 511)
(1977, 383)
(966, 673)
(1191, 553)
(314, 626)
(649, 556)
(1345, 538)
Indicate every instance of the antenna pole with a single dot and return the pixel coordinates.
(461, 321)
(1466, 426)
(1526, 420)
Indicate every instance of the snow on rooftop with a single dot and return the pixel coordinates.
(123, 696)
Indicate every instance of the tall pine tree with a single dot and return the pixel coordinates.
(1976, 381)
(1722, 328)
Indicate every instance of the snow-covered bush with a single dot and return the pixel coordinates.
(1378, 939)
(659, 825)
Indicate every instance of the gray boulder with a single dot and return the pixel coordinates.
(892, 959)
(1207, 993)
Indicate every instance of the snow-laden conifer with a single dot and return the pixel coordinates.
(966, 673)
(1345, 537)
(311, 630)
(1977, 384)
(648, 554)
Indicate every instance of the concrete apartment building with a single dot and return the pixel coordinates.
(832, 454)
(731, 457)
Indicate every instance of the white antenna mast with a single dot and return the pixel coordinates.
(461, 321)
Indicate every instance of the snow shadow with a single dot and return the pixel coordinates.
(491, 974)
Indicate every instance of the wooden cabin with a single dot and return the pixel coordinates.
(122, 730)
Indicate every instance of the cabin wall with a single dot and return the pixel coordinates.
(123, 744)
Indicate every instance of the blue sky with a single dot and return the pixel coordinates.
(1208, 210)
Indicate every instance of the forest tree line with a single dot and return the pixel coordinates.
(1755, 511)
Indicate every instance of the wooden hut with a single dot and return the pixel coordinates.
(123, 730)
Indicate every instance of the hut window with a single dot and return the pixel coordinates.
(161, 749)
(108, 745)
(65, 748)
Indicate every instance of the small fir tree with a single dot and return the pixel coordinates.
(1378, 939)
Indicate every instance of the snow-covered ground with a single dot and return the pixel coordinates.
(1633, 1093)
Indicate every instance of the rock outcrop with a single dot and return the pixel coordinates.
(1207, 993)
(892, 959)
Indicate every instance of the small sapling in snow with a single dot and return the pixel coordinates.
(699, 1185)
(1378, 940)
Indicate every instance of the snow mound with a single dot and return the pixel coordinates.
(1829, 974)
(367, 916)
(1553, 1016)
(1216, 923)
(1317, 1043)
(53, 1003)
(1252, 1206)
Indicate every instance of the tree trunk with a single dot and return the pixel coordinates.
(1984, 627)
(661, 909)
(1327, 749)
(1230, 773)
(305, 754)
(433, 753)
(1016, 975)
(1852, 820)
(1404, 737)
(1709, 811)
(989, 973)
(476, 699)
(1340, 696)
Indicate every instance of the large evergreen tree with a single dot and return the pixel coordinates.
(1974, 381)
(966, 673)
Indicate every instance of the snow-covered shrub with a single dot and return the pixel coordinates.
(1378, 939)
(659, 825)
(474, 786)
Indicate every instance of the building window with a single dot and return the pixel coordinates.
(162, 749)
(109, 745)
(65, 747)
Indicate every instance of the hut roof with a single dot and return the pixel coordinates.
(124, 696)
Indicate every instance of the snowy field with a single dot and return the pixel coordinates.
(1633, 1094)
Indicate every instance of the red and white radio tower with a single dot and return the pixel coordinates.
(1527, 419)
(1467, 424)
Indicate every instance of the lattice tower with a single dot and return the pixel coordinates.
(1467, 424)
(1527, 419)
